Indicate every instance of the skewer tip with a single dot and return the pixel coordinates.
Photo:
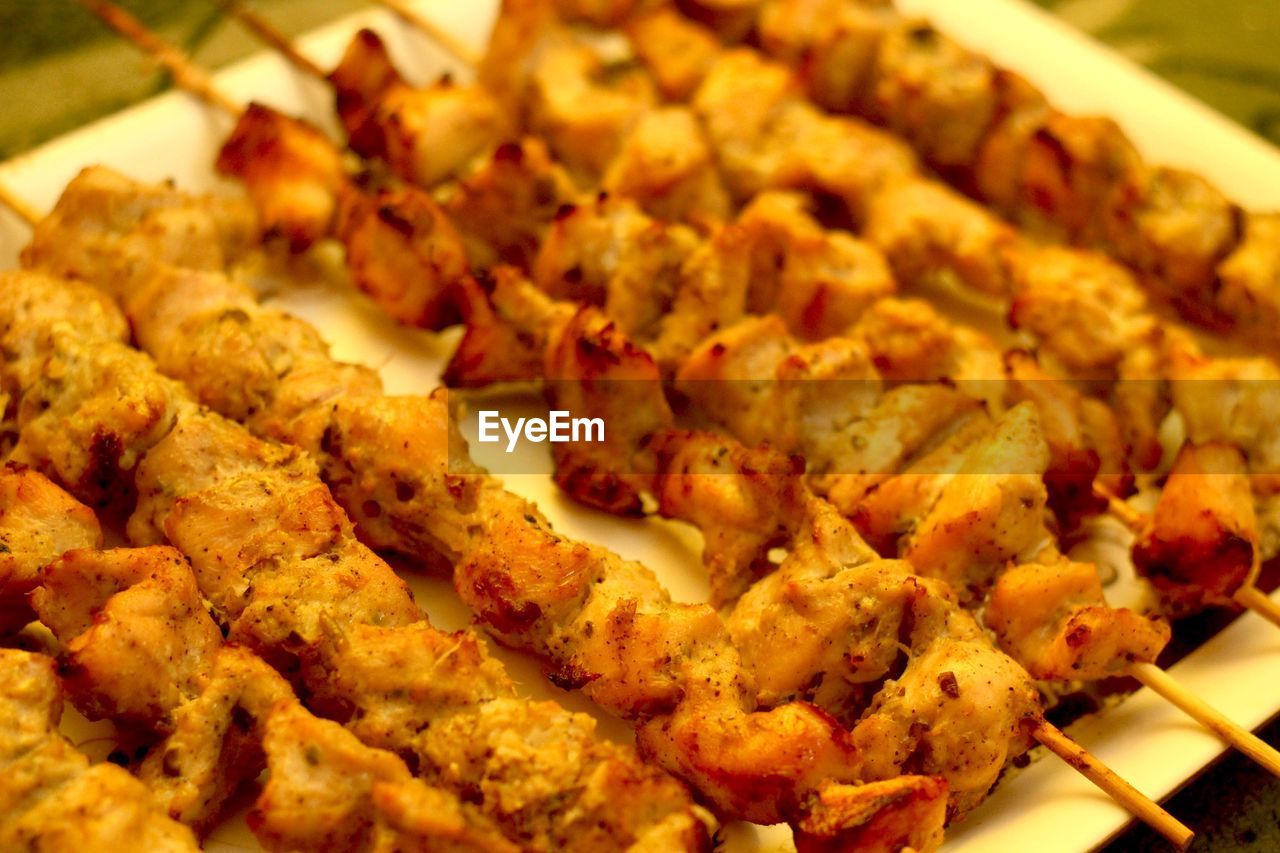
(1134, 801)
(1211, 718)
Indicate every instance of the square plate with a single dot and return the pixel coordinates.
(1047, 807)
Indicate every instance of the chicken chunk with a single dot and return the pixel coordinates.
(403, 250)
(293, 174)
(506, 203)
(1054, 620)
(665, 165)
(1085, 311)
(1174, 228)
(426, 135)
(592, 372)
(991, 511)
(1249, 278)
(745, 501)
(833, 42)
(1051, 172)
(834, 624)
(328, 791)
(1202, 542)
(509, 322)
(53, 798)
(119, 224)
(38, 522)
(818, 281)
(934, 92)
(930, 233)
(677, 52)
(137, 639)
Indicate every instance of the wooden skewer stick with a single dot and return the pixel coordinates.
(1259, 602)
(273, 37)
(1247, 742)
(185, 74)
(1208, 716)
(1075, 755)
(1118, 507)
(447, 40)
(1247, 596)
(1136, 802)
(25, 211)
(1164, 684)
(267, 31)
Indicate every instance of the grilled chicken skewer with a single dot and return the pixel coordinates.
(829, 802)
(1203, 534)
(996, 767)
(827, 281)
(222, 714)
(38, 522)
(993, 135)
(787, 714)
(1104, 341)
(1091, 639)
(514, 532)
(53, 797)
(811, 255)
(923, 228)
(497, 183)
(139, 648)
(286, 570)
(273, 39)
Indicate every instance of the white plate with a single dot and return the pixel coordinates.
(1047, 807)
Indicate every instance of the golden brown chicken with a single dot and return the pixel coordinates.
(405, 253)
(53, 798)
(992, 134)
(425, 134)
(504, 204)
(293, 175)
(140, 648)
(1052, 617)
(38, 521)
(259, 492)
(279, 562)
(1202, 542)
(559, 89)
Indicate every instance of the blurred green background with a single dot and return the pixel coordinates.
(59, 69)
(1225, 52)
